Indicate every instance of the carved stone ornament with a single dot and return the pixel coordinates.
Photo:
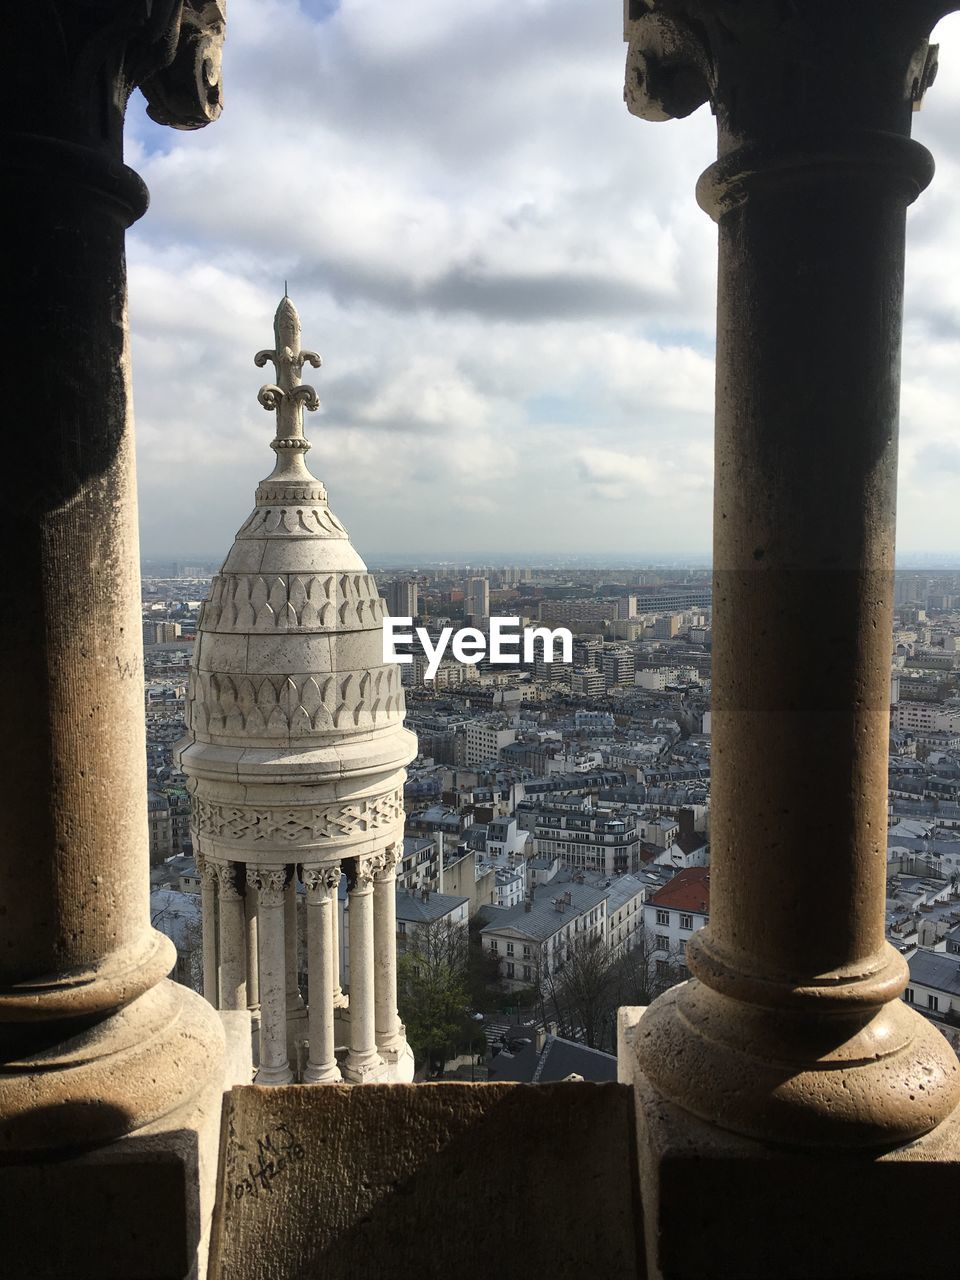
(241, 602)
(386, 862)
(187, 94)
(253, 706)
(96, 52)
(207, 868)
(269, 883)
(322, 881)
(297, 826)
(227, 880)
(364, 871)
(763, 67)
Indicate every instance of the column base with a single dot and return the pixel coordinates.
(862, 1078)
(127, 1071)
(401, 1066)
(328, 1073)
(99, 1226)
(717, 1204)
(367, 1068)
(274, 1075)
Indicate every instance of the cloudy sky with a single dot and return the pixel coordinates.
(507, 276)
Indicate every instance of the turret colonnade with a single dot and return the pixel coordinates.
(233, 892)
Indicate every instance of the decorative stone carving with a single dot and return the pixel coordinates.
(269, 883)
(286, 602)
(363, 872)
(208, 870)
(242, 825)
(101, 51)
(283, 521)
(187, 94)
(387, 862)
(321, 881)
(227, 881)
(270, 705)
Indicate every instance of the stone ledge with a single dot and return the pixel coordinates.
(431, 1180)
(716, 1204)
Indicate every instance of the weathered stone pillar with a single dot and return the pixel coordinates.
(363, 1060)
(252, 953)
(232, 939)
(269, 883)
(391, 1039)
(208, 906)
(792, 1029)
(97, 1048)
(292, 945)
(339, 999)
(321, 886)
(82, 973)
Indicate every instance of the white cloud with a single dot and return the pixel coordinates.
(507, 276)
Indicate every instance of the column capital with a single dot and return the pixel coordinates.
(228, 881)
(361, 870)
(862, 64)
(77, 89)
(385, 863)
(207, 869)
(269, 883)
(321, 881)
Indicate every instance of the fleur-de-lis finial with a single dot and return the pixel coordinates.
(288, 395)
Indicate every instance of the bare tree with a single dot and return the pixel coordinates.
(432, 989)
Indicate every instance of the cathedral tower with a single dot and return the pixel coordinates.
(295, 762)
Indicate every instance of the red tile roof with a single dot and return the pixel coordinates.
(688, 891)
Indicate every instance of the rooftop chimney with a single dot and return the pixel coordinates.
(685, 819)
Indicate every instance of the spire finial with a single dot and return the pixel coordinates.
(288, 395)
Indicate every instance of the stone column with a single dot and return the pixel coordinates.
(274, 1060)
(208, 904)
(292, 946)
(339, 999)
(82, 973)
(363, 1061)
(793, 1030)
(321, 886)
(390, 1030)
(232, 939)
(252, 953)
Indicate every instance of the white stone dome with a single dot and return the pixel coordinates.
(296, 745)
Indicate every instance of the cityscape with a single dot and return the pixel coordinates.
(562, 809)
(482, 764)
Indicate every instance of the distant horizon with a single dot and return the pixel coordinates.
(927, 561)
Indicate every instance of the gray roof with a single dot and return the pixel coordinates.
(412, 908)
(936, 969)
(543, 920)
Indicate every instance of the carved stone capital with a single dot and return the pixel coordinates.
(207, 869)
(227, 881)
(187, 94)
(320, 882)
(269, 883)
(386, 863)
(768, 69)
(361, 873)
(96, 54)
